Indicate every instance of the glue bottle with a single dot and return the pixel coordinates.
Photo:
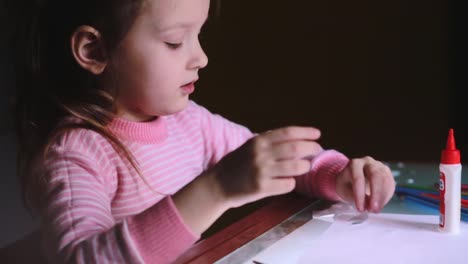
(450, 187)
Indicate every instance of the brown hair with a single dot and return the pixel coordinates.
(52, 87)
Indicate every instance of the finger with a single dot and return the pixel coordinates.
(389, 183)
(375, 177)
(280, 186)
(382, 186)
(289, 168)
(292, 133)
(359, 184)
(295, 149)
(367, 201)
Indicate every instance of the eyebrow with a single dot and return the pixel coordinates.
(182, 25)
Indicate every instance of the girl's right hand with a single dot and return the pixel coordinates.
(266, 164)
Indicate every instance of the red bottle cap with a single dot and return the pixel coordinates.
(450, 155)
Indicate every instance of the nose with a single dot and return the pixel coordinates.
(198, 60)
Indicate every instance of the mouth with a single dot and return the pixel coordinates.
(188, 88)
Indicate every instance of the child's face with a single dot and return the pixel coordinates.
(158, 57)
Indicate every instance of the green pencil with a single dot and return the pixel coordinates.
(421, 188)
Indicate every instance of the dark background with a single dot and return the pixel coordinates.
(381, 78)
(374, 76)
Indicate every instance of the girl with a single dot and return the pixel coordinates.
(121, 166)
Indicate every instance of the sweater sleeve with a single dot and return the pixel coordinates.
(221, 136)
(80, 228)
(321, 180)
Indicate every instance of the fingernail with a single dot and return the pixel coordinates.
(375, 207)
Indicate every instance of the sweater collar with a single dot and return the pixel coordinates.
(150, 132)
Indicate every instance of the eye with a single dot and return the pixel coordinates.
(173, 45)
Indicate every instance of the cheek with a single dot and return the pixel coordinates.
(139, 76)
(163, 65)
(147, 79)
(158, 68)
(150, 88)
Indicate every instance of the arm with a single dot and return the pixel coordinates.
(366, 182)
(231, 179)
(80, 228)
(264, 166)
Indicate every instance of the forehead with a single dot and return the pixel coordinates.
(167, 13)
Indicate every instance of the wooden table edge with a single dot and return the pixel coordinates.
(241, 232)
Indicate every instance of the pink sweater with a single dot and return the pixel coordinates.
(97, 209)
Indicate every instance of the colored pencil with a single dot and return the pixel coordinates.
(430, 196)
(464, 202)
(429, 200)
(434, 188)
(418, 191)
(421, 188)
(463, 215)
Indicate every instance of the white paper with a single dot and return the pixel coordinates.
(382, 238)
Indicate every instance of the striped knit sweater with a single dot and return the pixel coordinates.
(97, 209)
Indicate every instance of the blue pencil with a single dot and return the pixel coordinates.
(427, 199)
(416, 200)
(418, 192)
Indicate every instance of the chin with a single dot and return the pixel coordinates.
(174, 109)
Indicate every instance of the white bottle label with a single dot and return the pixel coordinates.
(450, 197)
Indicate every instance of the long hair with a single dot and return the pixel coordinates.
(52, 86)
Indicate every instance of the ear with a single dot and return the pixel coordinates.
(88, 49)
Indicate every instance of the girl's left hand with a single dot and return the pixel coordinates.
(367, 182)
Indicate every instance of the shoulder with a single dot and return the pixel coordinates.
(83, 147)
(83, 153)
(80, 140)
